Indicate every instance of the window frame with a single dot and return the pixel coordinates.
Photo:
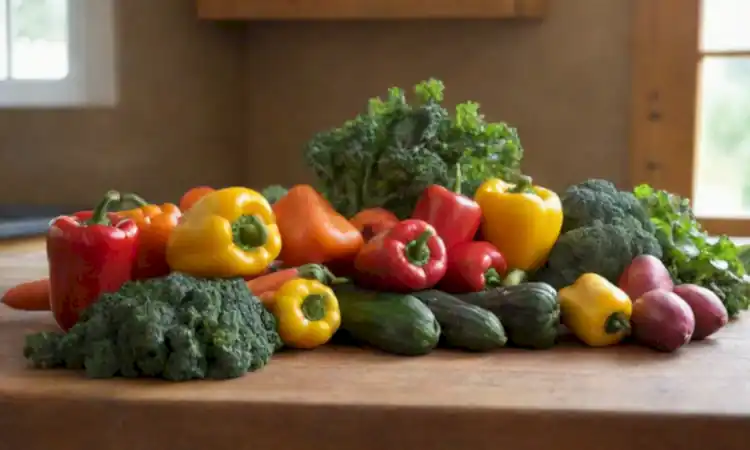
(665, 58)
(91, 80)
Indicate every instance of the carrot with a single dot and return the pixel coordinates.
(267, 298)
(265, 285)
(29, 296)
(272, 281)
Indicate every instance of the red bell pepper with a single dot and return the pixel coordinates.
(472, 267)
(455, 217)
(89, 253)
(408, 257)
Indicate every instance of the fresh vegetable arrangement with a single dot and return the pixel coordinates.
(421, 232)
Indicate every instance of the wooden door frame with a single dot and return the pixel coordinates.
(664, 87)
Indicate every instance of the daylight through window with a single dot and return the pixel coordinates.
(34, 39)
(722, 175)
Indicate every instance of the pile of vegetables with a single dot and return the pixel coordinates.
(421, 232)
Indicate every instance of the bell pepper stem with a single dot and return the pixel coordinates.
(492, 278)
(250, 232)
(417, 251)
(313, 307)
(100, 214)
(523, 186)
(133, 199)
(616, 322)
(459, 180)
(320, 273)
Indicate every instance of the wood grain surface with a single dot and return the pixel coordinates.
(345, 398)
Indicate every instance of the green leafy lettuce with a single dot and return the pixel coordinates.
(386, 156)
(691, 255)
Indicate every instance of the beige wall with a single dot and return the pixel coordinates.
(223, 103)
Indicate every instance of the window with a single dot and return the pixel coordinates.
(691, 106)
(56, 53)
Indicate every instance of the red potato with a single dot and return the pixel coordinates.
(662, 320)
(645, 273)
(710, 313)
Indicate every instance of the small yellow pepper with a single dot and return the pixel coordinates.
(230, 232)
(522, 221)
(307, 313)
(596, 311)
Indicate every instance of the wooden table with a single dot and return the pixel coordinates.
(329, 399)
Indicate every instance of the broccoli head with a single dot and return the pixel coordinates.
(176, 327)
(603, 248)
(599, 200)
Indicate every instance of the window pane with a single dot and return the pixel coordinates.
(39, 39)
(722, 179)
(3, 40)
(725, 25)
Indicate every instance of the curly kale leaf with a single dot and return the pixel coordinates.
(388, 155)
(691, 255)
(176, 327)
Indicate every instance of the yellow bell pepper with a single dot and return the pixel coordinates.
(307, 313)
(596, 311)
(230, 232)
(523, 221)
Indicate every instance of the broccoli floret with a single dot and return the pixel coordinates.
(177, 327)
(599, 200)
(603, 248)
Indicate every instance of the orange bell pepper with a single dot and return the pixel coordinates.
(155, 224)
(373, 221)
(312, 231)
(193, 195)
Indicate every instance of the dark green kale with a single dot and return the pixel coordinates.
(691, 255)
(177, 327)
(388, 155)
(604, 229)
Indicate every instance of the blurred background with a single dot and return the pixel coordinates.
(164, 101)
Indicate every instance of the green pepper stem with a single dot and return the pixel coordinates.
(100, 213)
(319, 273)
(133, 199)
(313, 307)
(459, 180)
(616, 322)
(524, 185)
(418, 251)
(492, 278)
(250, 232)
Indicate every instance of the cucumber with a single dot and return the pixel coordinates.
(463, 325)
(530, 312)
(395, 323)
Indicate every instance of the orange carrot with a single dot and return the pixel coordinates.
(265, 285)
(267, 298)
(29, 296)
(272, 281)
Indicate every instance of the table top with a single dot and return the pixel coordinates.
(341, 398)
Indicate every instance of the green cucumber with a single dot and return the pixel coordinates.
(530, 312)
(395, 323)
(463, 325)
